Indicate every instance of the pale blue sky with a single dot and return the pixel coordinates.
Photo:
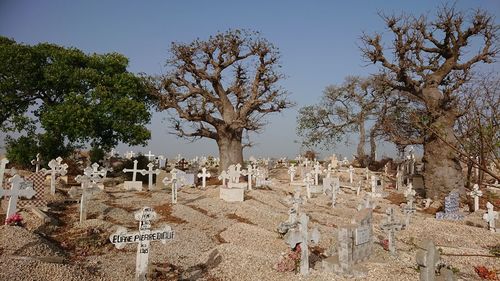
(318, 42)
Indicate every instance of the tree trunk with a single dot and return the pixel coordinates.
(443, 172)
(230, 149)
(373, 145)
(362, 139)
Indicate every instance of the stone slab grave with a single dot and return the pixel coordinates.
(88, 189)
(354, 245)
(300, 236)
(133, 184)
(451, 208)
(235, 191)
(57, 168)
(143, 238)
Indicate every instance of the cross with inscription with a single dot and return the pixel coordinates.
(56, 169)
(19, 188)
(143, 237)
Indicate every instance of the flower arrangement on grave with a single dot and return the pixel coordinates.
(486, 274)
(15, 220)
(289, 261)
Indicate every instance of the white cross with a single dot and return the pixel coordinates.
(19, 188)
(204, 175)
(351, 174)
(95, 175)
(328, 171)
(234, 172)
(143, 237)
(308, 180)
(149, 155)
(317, 171)
(223, 177)
(409, 192)
(176, 180)
(490, 217)
(476, 193)
(291, 171)
(249, 172)
(390, 226)
(306, 162)
(88, 188)
(56, 169)
(36, 162)
(134, 170)
(150, 172)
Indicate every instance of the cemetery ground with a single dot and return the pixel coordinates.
(218, 240)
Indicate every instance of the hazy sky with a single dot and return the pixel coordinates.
(318, 41)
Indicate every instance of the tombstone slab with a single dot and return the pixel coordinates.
(132, 185)
(232, 194)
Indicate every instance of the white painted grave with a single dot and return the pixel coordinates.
(133, 184)
(88, 189)
(249, 172)
(143, 237)
(150, 172)
(204, 175)
(291, 171)
(18, 188)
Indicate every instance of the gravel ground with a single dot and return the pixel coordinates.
(216, 240)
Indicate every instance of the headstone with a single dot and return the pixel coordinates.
(37, 162)
(428, 259)
(490, 217)
(143, 237)
(133, 185)
(150, 172)
(301, 237)
(390, 226)
(56, 169)
(19, 188)
(354, 244)
(475, 194)
(451, 207)
(204, 175)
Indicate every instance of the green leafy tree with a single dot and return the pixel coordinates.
(64, 98)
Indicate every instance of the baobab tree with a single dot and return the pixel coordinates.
(345, 109)
(221, 89)
(430, 61)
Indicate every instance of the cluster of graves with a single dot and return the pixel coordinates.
(307, 178)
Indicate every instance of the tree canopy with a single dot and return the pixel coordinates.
(72, 98)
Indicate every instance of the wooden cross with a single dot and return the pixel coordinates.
(143, 237)
(301, 236)
(204, 175)
(149, 155)
(37, 162)
(56, 169)
(150, 172)
(291, 171)
(490, 217)
(19, 188)
(390, 226)
(134, 171)
(182, 164)
(88, 189)
(476, 193)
